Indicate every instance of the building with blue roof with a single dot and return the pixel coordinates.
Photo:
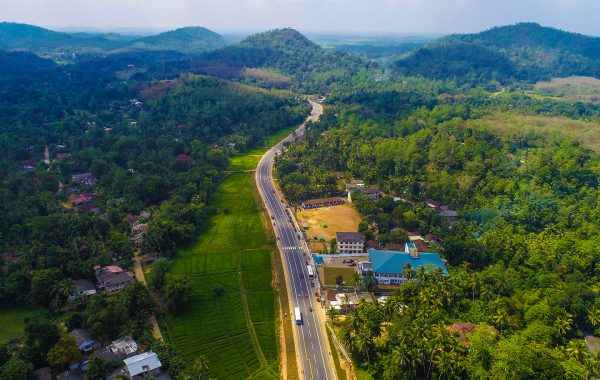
(388, 266)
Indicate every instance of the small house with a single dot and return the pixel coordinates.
(83, 288)
(112, 278)
(84, 340)
(143, 365)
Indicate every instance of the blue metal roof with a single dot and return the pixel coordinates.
(394, 261)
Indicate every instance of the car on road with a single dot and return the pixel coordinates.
(312, 284)
(301, 275)
(310, 309)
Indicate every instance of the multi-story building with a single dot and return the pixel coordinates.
(350, 242)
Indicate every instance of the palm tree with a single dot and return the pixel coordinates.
(200, 367)
(370, 280)
(500, 318)
(563, 324)
(594, 316)
(332, 314)
(63, 289)
(346, 300)
(408, 272)
(357, 281)
(422, 274)
(576, 349)
(473, 284)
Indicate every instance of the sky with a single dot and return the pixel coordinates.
(308, 16)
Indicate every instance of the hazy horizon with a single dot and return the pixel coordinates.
(376, 17)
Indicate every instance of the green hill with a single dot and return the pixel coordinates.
(24, 37)
(191, 40)
(523, 52)
(32, 38)
(286, 51)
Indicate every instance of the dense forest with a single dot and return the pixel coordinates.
(523, 256)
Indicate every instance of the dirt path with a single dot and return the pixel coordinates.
(139, 276)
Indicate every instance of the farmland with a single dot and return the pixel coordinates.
(236, 331)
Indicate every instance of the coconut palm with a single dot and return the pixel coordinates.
(563, 324)
(200, 367)
(408, 272)
(594, 316)
(576, 349)
(357, 281)
(370, 280)
(500, 319)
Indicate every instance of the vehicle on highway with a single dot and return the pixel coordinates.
(310, 309)
(301, 275)
(298, 315)
(310, 271)
(312, 284)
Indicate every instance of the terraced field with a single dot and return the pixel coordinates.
(236, 331)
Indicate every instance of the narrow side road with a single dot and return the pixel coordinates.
(139, 276)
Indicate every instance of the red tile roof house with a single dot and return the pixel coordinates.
(463, 329)
(62, 156)
(80, 199)
(112, 277)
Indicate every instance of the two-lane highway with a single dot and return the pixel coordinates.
(310, 337)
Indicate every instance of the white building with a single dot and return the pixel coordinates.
(350, 242)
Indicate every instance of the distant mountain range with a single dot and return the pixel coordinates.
(45, 42)
(524, 52)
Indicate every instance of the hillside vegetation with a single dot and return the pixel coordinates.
(525, 52)
(59, 45)
(517, 125)
(575, 88)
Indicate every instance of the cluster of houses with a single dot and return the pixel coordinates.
(139, 226)
(125, 351)
(84, 179)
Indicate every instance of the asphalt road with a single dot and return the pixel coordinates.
(311, 339)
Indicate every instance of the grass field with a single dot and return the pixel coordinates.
(330, 274)
(249, 159)
(575, 88)
(12, 322)
(553, 128)
(342, 218)
(236, 331)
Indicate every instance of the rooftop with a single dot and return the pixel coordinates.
(349, 236)
(323, 200)
(394, 261)
(141, 363)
